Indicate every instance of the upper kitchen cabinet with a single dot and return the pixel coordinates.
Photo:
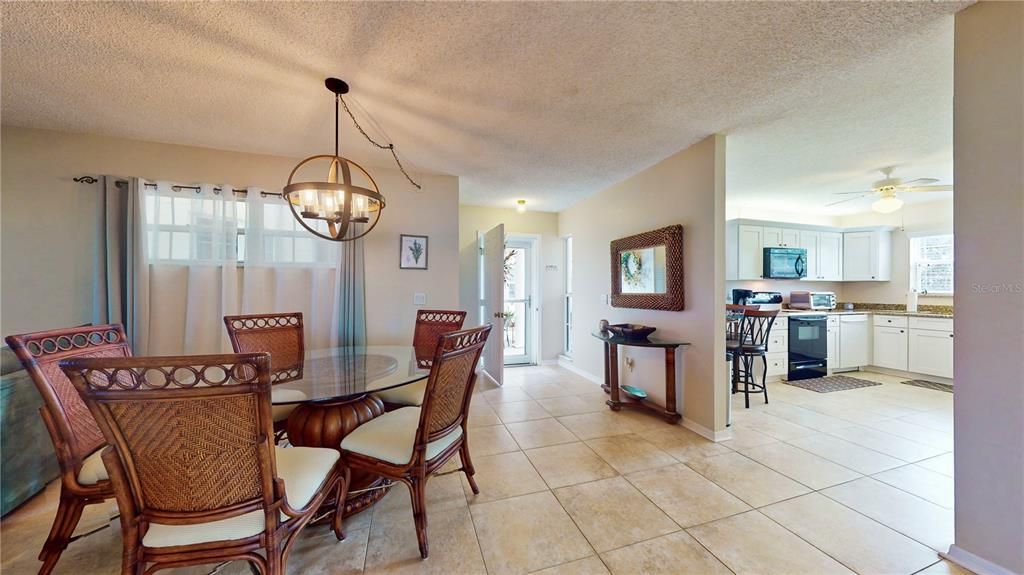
(746, 240)
(867, 255)
(781, 237)
(824, 255)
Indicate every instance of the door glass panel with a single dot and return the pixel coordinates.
(517, 303)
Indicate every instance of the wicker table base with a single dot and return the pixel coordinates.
(325, 424)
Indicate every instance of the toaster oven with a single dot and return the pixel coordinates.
(812, 300)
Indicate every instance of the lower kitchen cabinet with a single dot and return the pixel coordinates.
(931, 352)
(890, 347)
(854, 341)
(832, 341)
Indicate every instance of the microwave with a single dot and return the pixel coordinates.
(812, 300)
(785, 263)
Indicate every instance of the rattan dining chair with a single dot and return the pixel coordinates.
(76, 437)
(280, 335)
(431, 324)
(411, 443)
(192, 461)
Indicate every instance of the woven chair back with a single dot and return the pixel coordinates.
(449, 387)
(39, 353)
(279, 334)
(431, 324)
(193, 433)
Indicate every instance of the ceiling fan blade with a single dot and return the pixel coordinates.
(927, 189)
(918, 181)
(847, 200)
(844, 193)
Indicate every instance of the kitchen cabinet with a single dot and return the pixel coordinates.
(750, 257)
(854, 341)
(931, 352)
(781, 237)
(830, 256)
(810, 241)
(890, 347)
(832, 342)
(867, 256)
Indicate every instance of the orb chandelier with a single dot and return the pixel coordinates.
(347, 204)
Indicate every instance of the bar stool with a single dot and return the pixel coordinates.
(751, 342)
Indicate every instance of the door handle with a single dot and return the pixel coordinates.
(498, 315)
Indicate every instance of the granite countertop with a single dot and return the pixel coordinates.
(936, 314)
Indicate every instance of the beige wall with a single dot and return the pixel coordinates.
(48, 224)
(543, 224)
(686, 188)
(988, 408)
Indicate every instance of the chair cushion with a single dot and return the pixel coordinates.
(281, 412)
(392, 437)
(411, 394)
(303, 470)
(93, 471)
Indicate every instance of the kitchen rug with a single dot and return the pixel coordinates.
(831, 383)
(929, 385)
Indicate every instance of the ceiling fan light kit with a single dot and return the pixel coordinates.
(887, 205)
(887, 189)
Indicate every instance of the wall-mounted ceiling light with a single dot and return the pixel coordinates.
(521, 206)
(887, 205)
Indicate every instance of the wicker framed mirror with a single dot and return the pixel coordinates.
(647, 270)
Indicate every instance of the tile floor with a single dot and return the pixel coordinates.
(852, 481)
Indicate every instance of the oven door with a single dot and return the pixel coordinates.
(785, 263)
(808, 347)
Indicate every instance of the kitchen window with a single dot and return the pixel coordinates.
(931, 264)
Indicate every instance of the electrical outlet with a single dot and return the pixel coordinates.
(419, 299)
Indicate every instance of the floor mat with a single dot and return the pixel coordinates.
(831, 383)
(929, 385)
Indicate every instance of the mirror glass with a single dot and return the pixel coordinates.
(643, 270)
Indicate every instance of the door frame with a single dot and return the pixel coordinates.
(536, 315)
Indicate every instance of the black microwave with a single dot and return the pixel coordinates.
(785, 263)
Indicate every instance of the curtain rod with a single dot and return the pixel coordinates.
(196, 189)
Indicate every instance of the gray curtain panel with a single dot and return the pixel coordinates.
(351, 295)
(118, 290)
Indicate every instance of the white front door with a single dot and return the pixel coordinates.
(492, 304)
(519, 304)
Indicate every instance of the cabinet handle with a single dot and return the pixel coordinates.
(901, 331)
(950, 335)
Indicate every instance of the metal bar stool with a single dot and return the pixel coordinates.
(751, 341)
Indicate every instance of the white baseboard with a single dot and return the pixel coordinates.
(973, 563)
(711, 434)
(484, 373)
(567, 364)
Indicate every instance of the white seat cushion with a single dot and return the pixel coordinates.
(303, 470)
(392, 437)
(411, 394)
(281, 412)
(93, 471)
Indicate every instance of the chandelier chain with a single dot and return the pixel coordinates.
(389, 147)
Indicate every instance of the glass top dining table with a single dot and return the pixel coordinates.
(340, 373)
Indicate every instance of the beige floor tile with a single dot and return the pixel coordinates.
(515, 411)
(752, 544)
(912, 516)
(569, 464)
(502, 476)
(669, 555)
(580, 386)
(805, 417)
(527, 533)
(939, 419)
(775, 427)
(683, 444)
(629, 453)
(917, 433)
(748, 480)
(505, 395)
(545, 390)
(481, 415)
(570, 405)
(904, 449)
(745, 438)
(393, 548)
(586, 566)
(944, 567)
(850, 455)
(802, 466)
(317, 551)
(942, 464)
(540, 433)
(685, 495)
(484, 441)
(443, 493)
(598, 424)
(611, 513)
(924, 483)
(858, 542)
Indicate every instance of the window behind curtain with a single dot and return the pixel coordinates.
(931, 263)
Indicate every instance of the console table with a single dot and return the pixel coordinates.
(611, 375)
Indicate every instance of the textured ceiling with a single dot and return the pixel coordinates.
(544, 101)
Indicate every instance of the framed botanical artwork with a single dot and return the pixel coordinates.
(412, 253)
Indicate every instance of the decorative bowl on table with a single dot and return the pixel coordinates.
(631, 330)
(634, 392)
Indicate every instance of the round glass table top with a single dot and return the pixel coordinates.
(341, 373)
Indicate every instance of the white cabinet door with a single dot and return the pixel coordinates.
(809, 241)
(832, 339)
(931, 352)
(830, 256)
(890, 349)
(854, 341)
(772, 237)
(751, 252)
(860, 257)
(790, 238)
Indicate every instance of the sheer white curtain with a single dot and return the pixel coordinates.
(211, 252)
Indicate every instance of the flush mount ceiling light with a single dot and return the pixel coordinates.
(520, 206)
(336, 210)
(888, 204)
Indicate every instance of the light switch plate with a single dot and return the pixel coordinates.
(419, 299)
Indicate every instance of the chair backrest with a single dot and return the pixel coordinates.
(450, 384)
(738, 307)
(72, 427)
(279, 334)
(431, 324)
(756, 326)
(193, 435)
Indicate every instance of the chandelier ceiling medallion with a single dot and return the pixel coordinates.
(347, 204)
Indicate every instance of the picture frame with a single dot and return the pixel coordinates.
(662, 288)
(413, 252)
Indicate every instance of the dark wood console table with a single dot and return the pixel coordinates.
(616, 402)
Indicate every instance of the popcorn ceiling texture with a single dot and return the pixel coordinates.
(545, 101)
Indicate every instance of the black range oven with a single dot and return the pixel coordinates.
(808, 346)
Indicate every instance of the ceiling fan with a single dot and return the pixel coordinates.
(887, 188)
